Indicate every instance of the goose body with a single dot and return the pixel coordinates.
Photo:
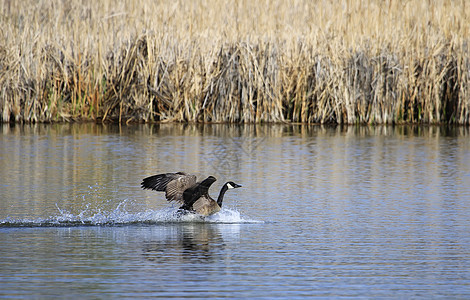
(184, 189)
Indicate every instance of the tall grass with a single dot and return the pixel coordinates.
(346, 62)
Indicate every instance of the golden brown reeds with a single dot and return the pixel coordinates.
(346, 62)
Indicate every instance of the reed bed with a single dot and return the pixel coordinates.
(344, 62)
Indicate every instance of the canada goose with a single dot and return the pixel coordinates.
(183, 188)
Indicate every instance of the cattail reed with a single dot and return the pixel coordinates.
(344, 62)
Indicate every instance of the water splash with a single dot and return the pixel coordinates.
(120, 216)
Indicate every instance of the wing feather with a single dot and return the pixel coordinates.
(176, 188)
(173, 184)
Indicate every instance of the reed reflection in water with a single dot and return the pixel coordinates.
(324, 211)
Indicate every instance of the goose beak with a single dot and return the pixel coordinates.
(237, 185)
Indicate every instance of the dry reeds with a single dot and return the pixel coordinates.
(346, 62)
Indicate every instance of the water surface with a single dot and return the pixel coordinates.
(324, 212)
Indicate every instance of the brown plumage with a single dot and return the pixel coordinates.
(183, 188)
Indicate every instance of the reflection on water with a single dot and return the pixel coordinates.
(324, 211)
(188, 242)
(80, 164)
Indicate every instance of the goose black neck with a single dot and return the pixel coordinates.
(221, 195)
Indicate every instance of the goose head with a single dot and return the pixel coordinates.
(232, 185)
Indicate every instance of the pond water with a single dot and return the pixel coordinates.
(328, 212)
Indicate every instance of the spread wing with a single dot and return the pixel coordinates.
(173, 184)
